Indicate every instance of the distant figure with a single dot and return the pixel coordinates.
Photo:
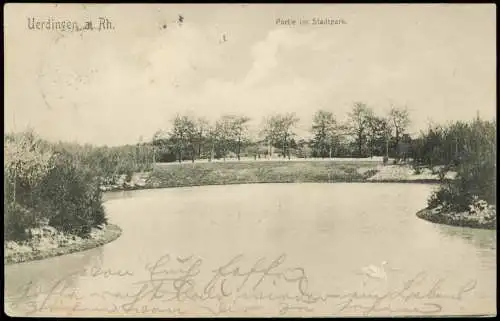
(180, 20)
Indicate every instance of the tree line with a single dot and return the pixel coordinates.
(363, 134)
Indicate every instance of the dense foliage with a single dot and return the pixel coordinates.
(109, 163)
(59, 184)
(470, 150)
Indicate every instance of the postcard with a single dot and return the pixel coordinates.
(265, 160)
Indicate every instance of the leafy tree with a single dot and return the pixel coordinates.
(358, 125)
(223, 135)
(211, 141)
(400, 119)
(183, 136)
(304, 149)
(230, 134)
(378, 134)
(324, 131)
(279, 131)
(239, 131)
(26, 162)
(202, 126)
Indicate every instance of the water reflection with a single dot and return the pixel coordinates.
(483, 242)
(108, 196)
(484, 239)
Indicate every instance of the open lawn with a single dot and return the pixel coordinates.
(274, 171)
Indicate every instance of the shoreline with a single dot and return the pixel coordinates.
(357, 173)
(403, 181)
(111, 233)
(426, 214)
(155, 180)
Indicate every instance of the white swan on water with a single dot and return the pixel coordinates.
(376, 272)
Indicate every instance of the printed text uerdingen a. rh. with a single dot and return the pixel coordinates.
(67, 25)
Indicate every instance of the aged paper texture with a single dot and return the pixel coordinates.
(250, 160)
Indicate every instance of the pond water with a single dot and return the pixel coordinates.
(267, 249)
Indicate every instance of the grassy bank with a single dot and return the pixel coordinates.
(51, 243)
(248, 172)
(259, 172)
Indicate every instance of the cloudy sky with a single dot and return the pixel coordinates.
(114, 86)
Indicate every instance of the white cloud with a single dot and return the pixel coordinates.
(138, 77)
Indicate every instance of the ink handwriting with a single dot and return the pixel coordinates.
(234, 287)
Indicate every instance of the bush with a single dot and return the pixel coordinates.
(128, 176)
(17, 221)
(471, 182)
(71, 199)
(476, 169)
(451, 198)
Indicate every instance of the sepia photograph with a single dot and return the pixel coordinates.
(263, 160)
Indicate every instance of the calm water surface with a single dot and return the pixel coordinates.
(267, 249)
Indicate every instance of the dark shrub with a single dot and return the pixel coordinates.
(71, 199)
(17, 219)
(475, 163)
(128, 175)
(478, 179)
(451, 197)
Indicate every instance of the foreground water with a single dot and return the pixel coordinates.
(267, 249)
